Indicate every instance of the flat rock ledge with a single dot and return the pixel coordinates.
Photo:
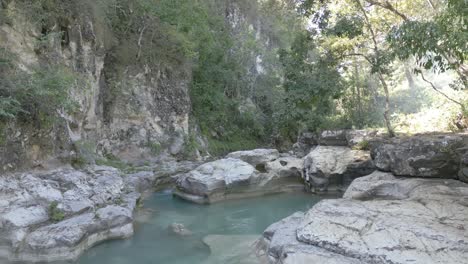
(57, 215)
(381, 220)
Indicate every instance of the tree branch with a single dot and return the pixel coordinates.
(389, 7)
(440, 92)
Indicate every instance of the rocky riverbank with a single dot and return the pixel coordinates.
(419, 216)
(56, 215)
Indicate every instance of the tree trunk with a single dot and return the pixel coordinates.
(388, 123)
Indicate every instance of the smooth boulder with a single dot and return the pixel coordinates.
(327, 165)
(214, 180)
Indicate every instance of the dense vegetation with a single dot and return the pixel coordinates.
(324, 64)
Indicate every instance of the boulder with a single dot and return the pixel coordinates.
(420, 156)
(257, 157)
(280, 245)
(305, 142)
(333, 138)
(213, 180)
(358, 137)
(285, 167)
(383, 219)
(327, 165)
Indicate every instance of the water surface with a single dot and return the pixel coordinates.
(154, 244)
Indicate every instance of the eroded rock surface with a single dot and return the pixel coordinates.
(257, 157)
(209, 182)
(56, 215)
(421, 156)
(395, 221)
(327, 165)
(233, 178)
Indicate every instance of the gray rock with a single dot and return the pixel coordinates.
(389, 231)
(356, 137)
(68, 239)
(333, 138)
(179, 229)
(25, 216)
(113, 215)
(215, 178)
(395, 221)
(305, 142)
(41, 189)
(26, 233)
(281, 245)
(335, 165)
(420, 156)
(285, 167)
(256, 157)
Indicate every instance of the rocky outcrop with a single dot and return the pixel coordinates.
(382, 219)
(305, 142)
(212, 181)
(257, 157)
(333, 138)
(56, 215)
(420, 156)
(326, 166)
(280, 245)
(233, 178)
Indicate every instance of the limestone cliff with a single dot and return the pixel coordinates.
(133, 100)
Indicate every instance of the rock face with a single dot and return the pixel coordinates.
(305, 142)
(395, 221)
(420, 156)
(335, 165)
(257, 157)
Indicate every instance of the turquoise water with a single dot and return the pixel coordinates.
(154, 244)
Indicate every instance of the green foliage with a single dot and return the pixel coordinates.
(155, 148)
(311, 84)
(362, 145)
(55, 214)
(35, 96)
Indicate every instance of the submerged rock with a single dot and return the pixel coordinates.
(179, 229)
(326, 165)
(233, 249)
(395, 221)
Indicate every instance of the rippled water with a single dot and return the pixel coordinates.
(153, 244)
